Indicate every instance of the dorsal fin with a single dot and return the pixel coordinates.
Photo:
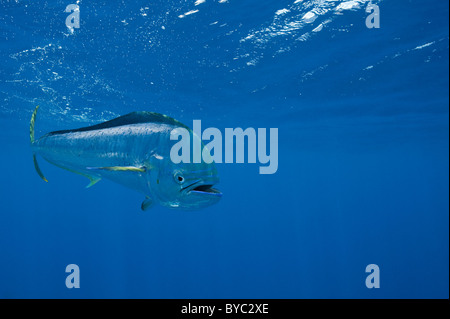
(131, 118)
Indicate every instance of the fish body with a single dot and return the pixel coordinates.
(134, 151)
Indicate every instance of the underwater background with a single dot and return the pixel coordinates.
(363, 170)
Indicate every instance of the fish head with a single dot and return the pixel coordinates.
(188, 186)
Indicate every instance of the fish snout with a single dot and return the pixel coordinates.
(204, 187)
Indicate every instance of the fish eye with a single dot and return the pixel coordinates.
(178, 178)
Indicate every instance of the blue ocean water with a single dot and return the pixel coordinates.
(363, 173)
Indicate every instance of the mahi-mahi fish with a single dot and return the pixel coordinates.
(132, 150)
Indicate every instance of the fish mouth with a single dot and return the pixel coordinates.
(202, 188)
(206, 189)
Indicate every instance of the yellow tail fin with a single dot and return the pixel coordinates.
(38, 170)
(36, 166)
(33, 120)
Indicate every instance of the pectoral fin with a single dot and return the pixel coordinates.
(120, 169)
(147, 204)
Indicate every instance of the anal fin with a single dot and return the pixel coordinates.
(94, 180)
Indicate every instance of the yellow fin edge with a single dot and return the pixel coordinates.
(120, 168)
